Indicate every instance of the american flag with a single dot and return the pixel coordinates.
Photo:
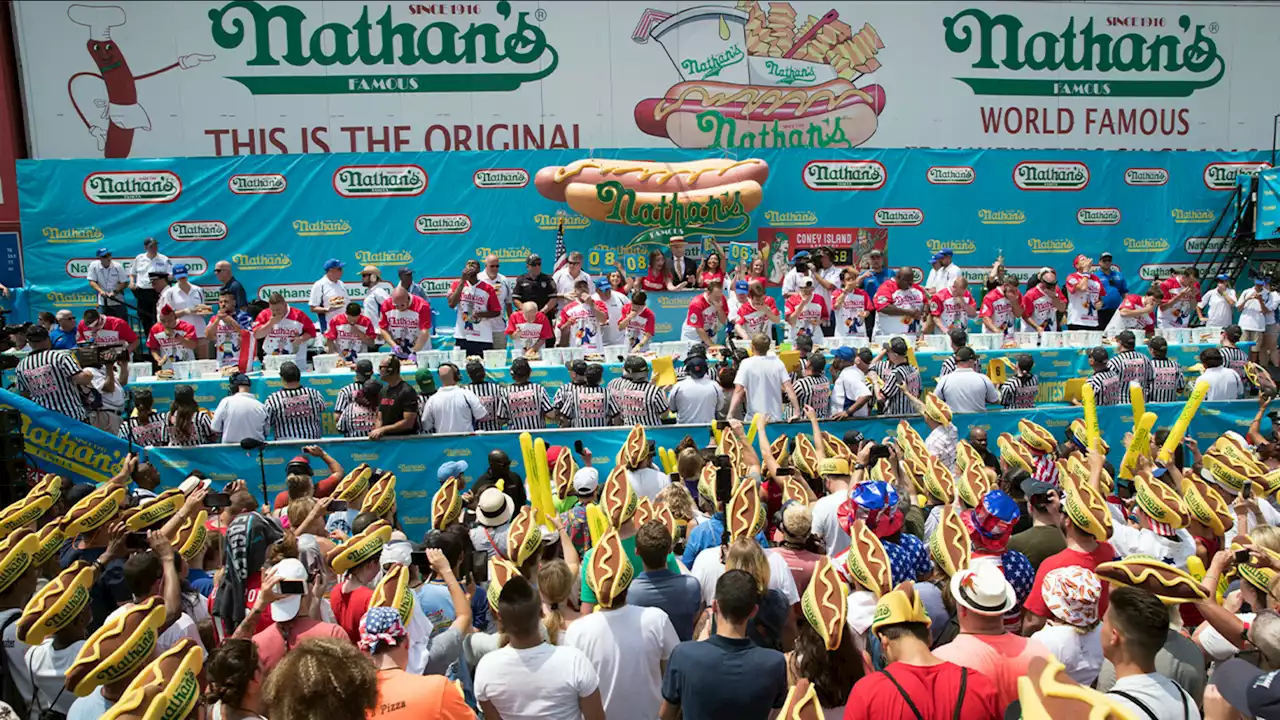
(562, 255)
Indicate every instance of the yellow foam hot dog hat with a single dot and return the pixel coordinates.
(51, 537)
(446, 504)
(966, 455)
(1206, 505)
(94, 510)
(354, 484)
(804, 457)
(1170, 584)
(802, 703)
(166, 689)
(825, 603)
(1047, 692)
(949, 544)
(57, 605)
(609, 572)
(937, 410)
(901, 605)
(394, 592)
(618, 500)
(500, 571)
(1080, 434)
(50, 485)
(835, 446)
(938, 481)
(781, 449)
(972, 484)
(190, 537)
(381, 497)
(634, 449)
(25, 511)
(1084, 507)
(744, 515)
(644, 511)
(1014, 453)
(16, 554)
(1159, 501)
(155, 511)
(361, 548)
(867, 561)
(1036, 436)
(562, 472)
(118, 648)
(524, 537)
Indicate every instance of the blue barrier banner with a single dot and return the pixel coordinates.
(56, 444)
(277, 218)
(1268, 220)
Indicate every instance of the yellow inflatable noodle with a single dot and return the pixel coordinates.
(1179, 428)
(1138, 402)
(1141, 444)
(1195, 567)
(911, 356)
(540, 482)
(1090, 402)
(751, 431)
(597, 523)
(716, 432)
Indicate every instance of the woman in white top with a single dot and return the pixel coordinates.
(1072, 630)
(235, 682)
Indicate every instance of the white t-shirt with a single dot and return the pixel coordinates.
(850, 386)
(182, 628)
(967, 391)
(1251, 317)
(1081, 653)
(826, 524)
(240, 416)
(453, 409)
(323, 293)
(627, 647)
(1224, 383)
(178, 299)
(502, 287)
(831, 275)
(1083, 306)
(763, 377)
(537, 683)
(49, 671)
(143, 265)
(564, 283)
(1134, 541)
(647, 482)
(1161, 696)
(108, 278)
(110, 401)
(1217, 647)
(1219, 307)
(15, 653)
(708, 567)
(941, 278)
(610, 333)
(695, 400)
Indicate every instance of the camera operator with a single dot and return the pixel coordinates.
(108, 368)
(16, 338)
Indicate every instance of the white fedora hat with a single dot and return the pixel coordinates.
(983, 589)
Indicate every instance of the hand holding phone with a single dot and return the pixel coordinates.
(291, 587)
(217, 500)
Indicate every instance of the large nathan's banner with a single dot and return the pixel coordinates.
(278, 218)
(211, 77)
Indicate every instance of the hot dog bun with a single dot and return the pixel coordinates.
(168, 687)
(1047, 692)
(57, 605)
(122, 645)
(755, 103)
(649, 177)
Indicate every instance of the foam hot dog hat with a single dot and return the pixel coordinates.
(94, 510)
(901, 605)
(25, 511)
(446, 504)
(609, 571)
(618, 499)
(1085, 508)
(835, 446)
(883, 471)
(1206, 505)
(1258, 577)
(634, 449)
(50, 540)
(190, 536)
(1171, 585)
(500, 571)
(154, 511)
(1229, 469)
(972, 484)
(707, 484)
(524, 537)
(562, 472)
(57, 604)
(909, 440)
(802, 703)
(966, 455)
(936, 410)
(949, 545)
(354, 484)
(644, 511)
(381, 497)
(118, 648)
(359, 549)
(664, 515)
(168, 688)
(1233, 446)
(867, 561)
(394, 592)
(744, 515)
(1036, 436)
(50, 485)
(1014, 453)
(804, 456)
(730, 445)
(16, 554)
(781, 449)
(1047, 692)
(825, 603)
(1077, 433)
(938, 481)
(794, 490)
(1159, 501)
(915, 469)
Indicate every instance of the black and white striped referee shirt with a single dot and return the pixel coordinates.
(490, 394)
(1167, 381)
(44, 377)
(1019, 392)
(948, 365)
(814, 391)
(896, 402)
(1107, 388)
(525, 406)
(346, 396)
(637, 403)
(585, 406)
(295, 414)
(1131, 366)
(149, 431)
(1235, 358)
(201, 430)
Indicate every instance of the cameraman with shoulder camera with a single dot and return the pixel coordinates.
(104, 396)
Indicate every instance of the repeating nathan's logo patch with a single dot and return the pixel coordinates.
(1146, 244)
(1159, 271)
(1206, 244)
(1146, 176)
(69, 236)
(790, 218)
(1222, 176)
(79, 267)
(959, 247)
(1098, 216)
(365, 181)
(132, 188)
(75, 299)
(844, 175)
(1060, 176)
(442, 224)
(1056, 245)
(384, 257)
(571, 221)
(896, 217)
(501, 178)
(271, 261)
(950, 175)
(192, 230)
(1001, 217)
(316, 228)
(1183, 217)
(257, 184)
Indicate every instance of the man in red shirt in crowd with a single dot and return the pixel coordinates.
(406, 321)
(1042, 303)
(916, 683)
(105, 330)
(357, 561)
(1001, 307)
(351, 333)
(951, 307)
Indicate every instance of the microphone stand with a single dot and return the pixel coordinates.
(250, 444)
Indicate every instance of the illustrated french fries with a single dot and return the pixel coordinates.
(1179, 428)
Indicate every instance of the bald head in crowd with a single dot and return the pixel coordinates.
(401, 298)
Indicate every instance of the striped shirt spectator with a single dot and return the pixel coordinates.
(635, 402)
(347, 395)
(1235, 358)
(1019, 392)
(584, 406)
(1131, 366)
(200, 432)
(896, 401)
(49, 377)
(490, 394)
(357, 420)
(295, 412)
(1167, 381)
(146, 430)
(814, 391)
(1107, 388)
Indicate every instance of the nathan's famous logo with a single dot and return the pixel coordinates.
(140, 650)
(1206, 244)
(191, 230)
(1181, 216)
(1222, 176)
(58, 445)
(980, 275)
(896, 217)
(1082, 60)
(76, 299)
(1098, 216)
(844, 175)
(501, 178)
(1069, 176)
(959, 247)
(560, 219)
(67, 236)
(1001, 217)
(751, 80)
(442, 224)
(375, 46)
(384, 257)
(257, 184)
(316, 228)
(1060, 245)
(365, 181)
(793, 218)
(272, 261)
(1159, 271)
(132, 188)
(1146, 176)
(950, 175)
(505, 254)
(1146, 244)
(676, 212)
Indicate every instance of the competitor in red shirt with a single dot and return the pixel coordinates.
(105, 330)
(581, 319)
(1137, 313)
(528, 329)
(952, 307)
(712, 268)
(900, 305)
(659, 278)
(707, 314)
(406, 321)
(284, 330)
(757, 313)
(1001, 307)
(807, 312)
(850, 305)
(1042, 303)
(1179, 295)
(351, 333)
(171, 339)
(637, 322)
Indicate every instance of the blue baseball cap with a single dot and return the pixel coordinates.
(844, 353)
(333, 264)
(936, 257)
(453, 468)
(1256, 281)
(180, 271)
(1224, 277)
(946, 251)
(742, 286)
(603, 284)
(104, 252)
(801, 254)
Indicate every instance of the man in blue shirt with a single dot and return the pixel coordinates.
(1114, 287)
(679, 596)
(222, 270)
(63, 332)
(871, 279)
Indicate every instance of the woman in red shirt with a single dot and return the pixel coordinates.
(758, 271)
(712, 268)
(659, 277)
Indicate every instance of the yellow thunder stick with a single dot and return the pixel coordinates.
(715, 431)
(1179, 428)
(597, 523)
(751, 431)
(1140, 445)
(1090, 417)
(1138, 402)
(668, 458)
(526, 455)
(540, 482)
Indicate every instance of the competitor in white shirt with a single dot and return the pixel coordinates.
(502, 287)
(1220, 302)
(376, 292)
(476, 302)
(943, 274)
(614, 302)
(328, 294)
(1084, 295)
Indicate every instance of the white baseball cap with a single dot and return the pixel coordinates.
(192, 482)
(286, 608)
(586, 480)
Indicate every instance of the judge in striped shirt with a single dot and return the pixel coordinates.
(295, 412)
(633, 399)
(490, 394)
(1167, 379)
(1019, 391)
(524, 405)
(1130, 365)
(1107, 388)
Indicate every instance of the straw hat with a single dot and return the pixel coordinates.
(494, 509)
(982, 589)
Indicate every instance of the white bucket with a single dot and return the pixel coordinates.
(1027, 339)
(206, 369)
(495, 359)
(270, 364)
(140, 370)
(325, 363)
(1051, 340)
(983, 341)
(1074, 338)
(1093, 338)
(615, 353)
(1206, 335)
(458, 356)
(374, 359)
(183, 370)
(1183, 336)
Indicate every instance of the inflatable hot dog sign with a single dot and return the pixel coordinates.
(714, 196)
(757, 80)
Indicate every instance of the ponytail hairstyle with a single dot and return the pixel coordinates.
(285, 547)
(555, 583)
(183, 411)
(231, 670)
